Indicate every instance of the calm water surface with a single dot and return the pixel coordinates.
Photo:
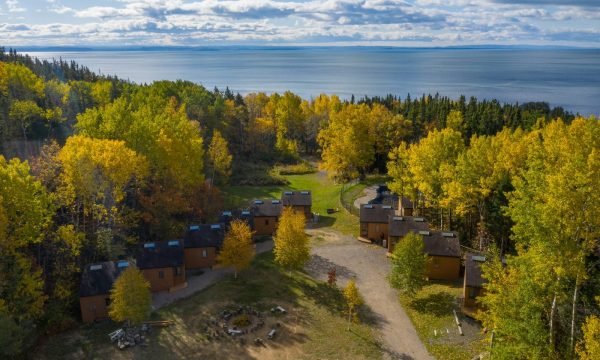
(564, 77)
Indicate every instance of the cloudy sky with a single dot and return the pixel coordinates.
(350, 22)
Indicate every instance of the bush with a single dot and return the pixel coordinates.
(301, 168)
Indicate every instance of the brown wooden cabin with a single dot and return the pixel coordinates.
(162, 264)
(400, 226)
(374, 222)
(443, 249)
(94, 291)
(265, 214)
(202, 244)
(299, 201)
(405, 207)
(228, 216)
(473, 283)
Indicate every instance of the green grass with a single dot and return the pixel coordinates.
(431, 309)
(325, 195)
(314, 327)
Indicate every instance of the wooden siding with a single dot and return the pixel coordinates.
(166, 281)
(377, 232)
(265, 225)
(94, 308)
(443, 268)
(195, 257)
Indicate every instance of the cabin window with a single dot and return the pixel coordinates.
(107, 301)
(177, 271)
(267, 222)
(161, 274)
(204, 253)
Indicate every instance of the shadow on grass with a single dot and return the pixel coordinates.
(391, 354)
(438, 304)
(324, 221)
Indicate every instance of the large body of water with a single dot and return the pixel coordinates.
(562, 77)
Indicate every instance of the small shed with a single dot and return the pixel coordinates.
(473, 281)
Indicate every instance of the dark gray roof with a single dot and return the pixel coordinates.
(296, 198)
(375, 213)
(473, 270)
(270, 208)
(406, 203)
(386, 198)
(438, 244)
(227, 217)
(205, 235)
(402, 225)
(98, 278)
(160, 254)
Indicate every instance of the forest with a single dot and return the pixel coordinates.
(116, 163)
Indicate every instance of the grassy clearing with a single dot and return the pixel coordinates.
(325, 194)
(431, 309)
(314, 327)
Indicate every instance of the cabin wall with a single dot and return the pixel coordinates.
(443, 268)
(265, 225)
(94, 307)
(377, 232)
(160, 279)
(195, 257)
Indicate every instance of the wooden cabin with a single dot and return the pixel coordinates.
(228, 216)
(299, 201)
(405, 207)
(162, 264)
(94, 291)
(443, 249)
(473, 282)
(374, 222)
(400, 226)
(265, 215)
(202, 244)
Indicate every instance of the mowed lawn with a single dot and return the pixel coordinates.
(431, 311)
(313, 328)
(325, 195)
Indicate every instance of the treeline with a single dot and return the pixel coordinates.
(532, 199)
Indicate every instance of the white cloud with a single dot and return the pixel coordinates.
(14, 7)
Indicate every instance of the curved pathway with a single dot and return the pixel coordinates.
(370, 266)
(370, 193)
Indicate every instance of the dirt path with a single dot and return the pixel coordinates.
(370, 193)
(370, 266)
(197, 283)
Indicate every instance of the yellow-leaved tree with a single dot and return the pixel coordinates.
(130, 297)
(219, 158)
(238, 250)
(353, 300)
(589, 347)
(292, 249)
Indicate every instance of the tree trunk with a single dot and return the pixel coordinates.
(572, 342)
(349, 317)
(552, 311)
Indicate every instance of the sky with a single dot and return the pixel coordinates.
(299, 22)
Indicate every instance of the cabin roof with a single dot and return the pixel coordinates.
(473, 276)
(268, 208)
(402, 225)
(160, 254)
(226, 217)
(98, 278)
(296, 198)
(439, 243)
(205, 235)
(375, 213)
